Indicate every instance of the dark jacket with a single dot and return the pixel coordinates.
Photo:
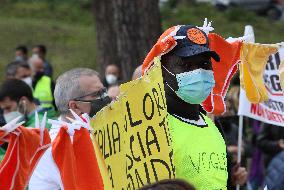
(48, 70)
(229, 157)
(275, 173)
(268, 141)
(2, 119)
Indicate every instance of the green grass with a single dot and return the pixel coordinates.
(68, 32)
(67, 29)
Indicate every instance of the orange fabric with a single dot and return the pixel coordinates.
(76, 161)
(164, 44)
(89, 176)
(63, 155)
(223, 72)
(45, 145)
(196, 36)
(24, 150)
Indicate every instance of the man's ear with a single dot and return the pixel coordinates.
(73, 105)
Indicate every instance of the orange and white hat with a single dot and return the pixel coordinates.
(188, 40)
(182, 40)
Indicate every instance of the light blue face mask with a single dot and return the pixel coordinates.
(12, 115)
(194, 86)
(19, 58)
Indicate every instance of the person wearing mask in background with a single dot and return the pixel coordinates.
(43, 86)
(112, 75)
(19, 70)
(21, 53)
(137, 73)
(112, 80)
(41, 51)
(81, 90)
(16, 96)
(16, 99)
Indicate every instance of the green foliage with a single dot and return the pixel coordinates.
(69, 11)
(67, 31)
(228, 23)
(67, 28)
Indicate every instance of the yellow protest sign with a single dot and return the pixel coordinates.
(132, 134)
(109, 136)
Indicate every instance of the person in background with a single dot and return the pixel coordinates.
(2, 119)
(81, 90)
(19, 70)
(42, 84)
(112, 75)
(17, 96)
(229, 123)
(21, 53)
(41, 51)
(112, 80)
(137, 73)
(113, 92)
(3, 147)
(16, 100)
(169, 184)
(274, 179)
(270, 141)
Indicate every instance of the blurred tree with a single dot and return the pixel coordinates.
(126, 30)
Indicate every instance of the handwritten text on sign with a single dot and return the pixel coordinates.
(132, 134)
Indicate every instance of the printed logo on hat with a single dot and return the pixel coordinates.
(196, 36)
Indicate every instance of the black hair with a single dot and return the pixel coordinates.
(110, 64)
(15, 89)
(119, 69)
(41, 48)
(11, 68)
(169, 184)
(23, 49)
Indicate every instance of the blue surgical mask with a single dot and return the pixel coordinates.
(12, 115)
(19, 58)
(194, 86)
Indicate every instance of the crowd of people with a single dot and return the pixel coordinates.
(29, 87)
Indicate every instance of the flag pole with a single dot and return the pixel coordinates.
(240, 137)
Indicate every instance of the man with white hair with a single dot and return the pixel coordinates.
(43, 85)
(82, 91)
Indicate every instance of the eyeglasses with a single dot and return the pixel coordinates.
(98, 95)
